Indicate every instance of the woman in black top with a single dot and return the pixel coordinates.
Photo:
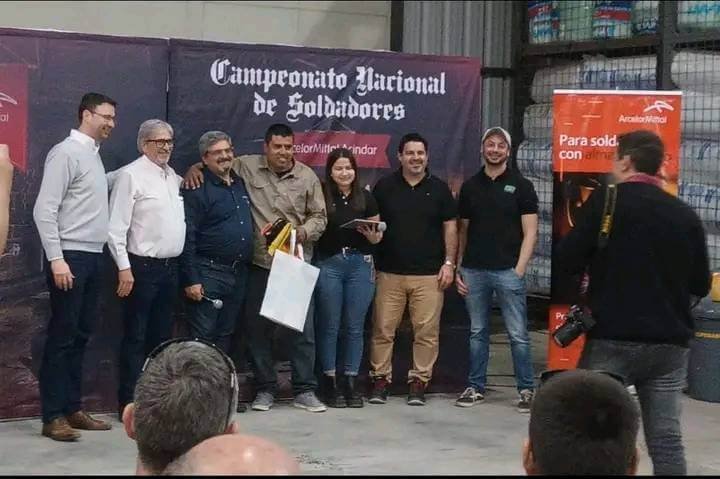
(346, 284)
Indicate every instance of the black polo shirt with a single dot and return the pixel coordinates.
(494, 208)
(340, 210)
(413, 243)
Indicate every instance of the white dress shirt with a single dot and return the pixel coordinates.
(147, 215)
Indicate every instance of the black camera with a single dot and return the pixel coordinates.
(577, 321)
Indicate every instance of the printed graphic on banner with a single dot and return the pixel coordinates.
(364, 101)
(586, 124)
(14, 112)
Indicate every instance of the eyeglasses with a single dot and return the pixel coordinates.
(106, 117)
(546, 375)
(233, 386)
(228, 151)
(162, 143)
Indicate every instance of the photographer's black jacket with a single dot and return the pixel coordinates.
(655, 258)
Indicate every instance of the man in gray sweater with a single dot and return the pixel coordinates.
(71, 215)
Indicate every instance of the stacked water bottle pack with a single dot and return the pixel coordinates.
(697, 74)
(551, 21)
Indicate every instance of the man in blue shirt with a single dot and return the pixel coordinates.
(218, 243)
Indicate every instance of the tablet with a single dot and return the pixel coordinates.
(359, 222)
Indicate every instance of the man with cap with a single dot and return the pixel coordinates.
(496, 236)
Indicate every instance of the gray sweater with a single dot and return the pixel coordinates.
(71, 210)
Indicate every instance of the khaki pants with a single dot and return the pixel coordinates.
(425, 301)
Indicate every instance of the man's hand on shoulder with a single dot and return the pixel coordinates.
(194, 177)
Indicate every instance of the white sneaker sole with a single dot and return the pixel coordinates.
(310, 408)
(260, 407)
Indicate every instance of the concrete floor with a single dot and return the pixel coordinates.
(379, 439)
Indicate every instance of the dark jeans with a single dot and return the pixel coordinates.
(148, 317)
(224, 283)
(344, 291)
(260, 341)
(658, 372)
(73, 316)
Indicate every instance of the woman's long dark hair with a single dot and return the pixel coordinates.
(330, 188)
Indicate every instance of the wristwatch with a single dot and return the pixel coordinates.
(450, 263)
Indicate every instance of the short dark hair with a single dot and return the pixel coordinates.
(411, 137)
(92, 100)
(277, 129)
(645, 148)
(583, 422)
(181, 399)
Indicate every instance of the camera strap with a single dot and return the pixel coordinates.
(607, 216)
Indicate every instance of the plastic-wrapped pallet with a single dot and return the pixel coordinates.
(644, 17)
(700, 115)
(704, 198)
(548, 79)
(694, 15)
(537, 275)
(612, 19)
(697, 71)
(543, 246)
(700, 161)
(575, 20)
(713, 244)
(626, 73)
(534, 158)
(544, 189)
(537, 121)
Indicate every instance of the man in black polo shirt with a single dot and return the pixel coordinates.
(497, 233)
(416, 262)
(218, 243)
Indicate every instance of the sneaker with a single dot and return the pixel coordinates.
(469, 397)
(416, 396)
(263, 401)
(379, 393)
(526, 397)
(241, 407)
(309, 401)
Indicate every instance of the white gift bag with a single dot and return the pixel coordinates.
(289, 290)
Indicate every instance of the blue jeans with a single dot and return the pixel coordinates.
(224, 283)
(148, 317)
(73, 317)
(344, 291)
(511, 294)
(658, 372)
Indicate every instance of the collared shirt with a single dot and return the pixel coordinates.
(414, 242)
(71, 209)
(147, 216)
(340, 212)
(297, 197)
(494, 208)
(219, 225)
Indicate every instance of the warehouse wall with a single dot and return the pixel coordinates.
(475, 29)
(342, 24)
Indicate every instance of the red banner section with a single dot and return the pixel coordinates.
(313, 147)
(14, 112)
(586, 124)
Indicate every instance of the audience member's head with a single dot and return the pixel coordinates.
(234, 454)
(582, 422)
(187, 393)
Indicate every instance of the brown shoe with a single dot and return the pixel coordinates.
(59, 430)
(82, 420)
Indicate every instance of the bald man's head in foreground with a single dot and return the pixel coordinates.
(234, 454)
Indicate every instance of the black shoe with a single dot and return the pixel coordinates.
(333, 396)
(379, 393)
(241, 407)
(416, 395)
(353, 398)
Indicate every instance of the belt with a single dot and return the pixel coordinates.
(158, 261)
(226, 262)
(346, 250)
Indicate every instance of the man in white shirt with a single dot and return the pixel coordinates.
(147, 234)
(71, 215)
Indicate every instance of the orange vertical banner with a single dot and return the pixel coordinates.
(586, 124)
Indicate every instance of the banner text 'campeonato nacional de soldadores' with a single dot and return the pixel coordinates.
(313, 89)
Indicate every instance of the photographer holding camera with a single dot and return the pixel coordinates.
(640, 289)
